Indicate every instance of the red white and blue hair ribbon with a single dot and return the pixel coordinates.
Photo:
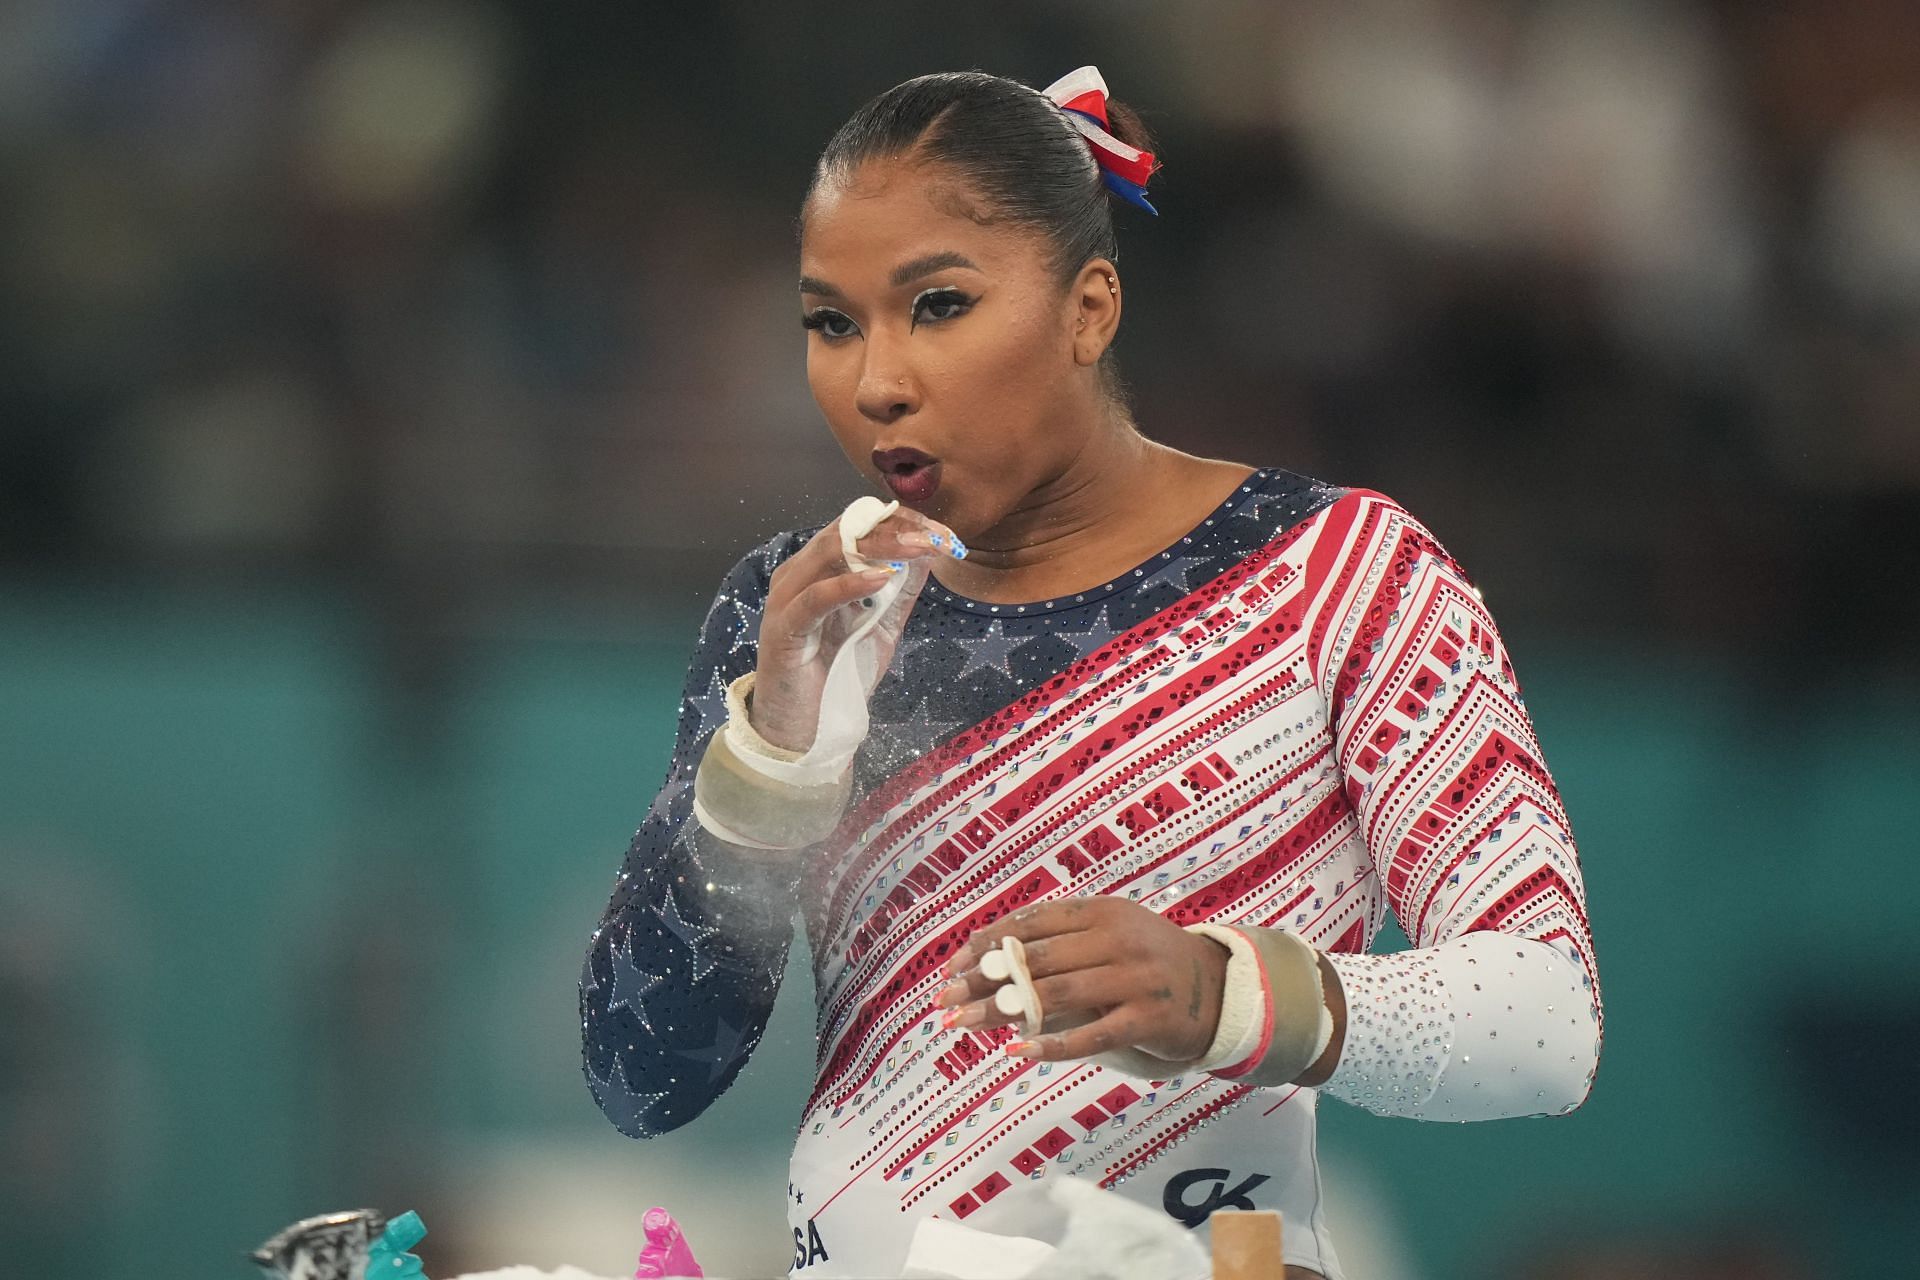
(1082, 95)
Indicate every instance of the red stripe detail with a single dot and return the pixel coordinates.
(1224, 821)
(1026, 889)
(1192, 685)
(1212, 898)
(1491, 856)
(1498, 752)
(1324, 563)
(1254, 643)
(1105, 739)
(1546, 880)
(1080, 674)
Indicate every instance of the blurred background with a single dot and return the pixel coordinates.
(385, 386)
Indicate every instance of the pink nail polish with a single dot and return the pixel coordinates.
(1018, 1048)
(950, 1017)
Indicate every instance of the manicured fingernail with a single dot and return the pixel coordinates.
(950, 1017)
(1019, 1048)
(934, 540)
(951, 994)
(898, 566)
(959, 549)
(920, 541)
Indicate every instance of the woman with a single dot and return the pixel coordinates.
(1186, 728)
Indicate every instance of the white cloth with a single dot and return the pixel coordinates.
(865, 634)
(1099, 1235)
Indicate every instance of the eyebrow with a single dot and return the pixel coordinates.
(905, 273)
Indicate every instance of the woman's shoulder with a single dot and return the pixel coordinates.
(1336, 526)
(1277, 502)
(1329, 506)
(1357, 527)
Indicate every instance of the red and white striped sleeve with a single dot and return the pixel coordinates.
(1495, 1009)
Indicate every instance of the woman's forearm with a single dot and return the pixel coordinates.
(1484, 1027)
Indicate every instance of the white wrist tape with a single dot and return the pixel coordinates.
(1273, 1009)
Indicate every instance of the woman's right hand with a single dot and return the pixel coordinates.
(799, 635)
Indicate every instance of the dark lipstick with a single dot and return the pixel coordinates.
(912, 475)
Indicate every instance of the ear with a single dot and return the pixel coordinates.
(1094, 297)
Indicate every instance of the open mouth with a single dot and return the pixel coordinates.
(912, 475)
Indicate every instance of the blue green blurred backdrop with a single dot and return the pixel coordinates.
(384, 387)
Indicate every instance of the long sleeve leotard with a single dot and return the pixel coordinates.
(1299, 717)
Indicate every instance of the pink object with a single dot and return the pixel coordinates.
(666, 1253)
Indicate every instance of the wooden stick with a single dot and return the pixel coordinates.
(1246, 1245)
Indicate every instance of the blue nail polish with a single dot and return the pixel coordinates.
(898, 566)
(936, 540)
(959, 548)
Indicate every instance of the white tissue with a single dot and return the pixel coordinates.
(942, 1250)
(874, 629)
(865, 633)
(1110, 1237)
(1092, 1234)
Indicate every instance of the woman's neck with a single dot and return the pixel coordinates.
(1090, 524)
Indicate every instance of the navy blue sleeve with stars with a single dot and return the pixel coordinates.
(681, 975)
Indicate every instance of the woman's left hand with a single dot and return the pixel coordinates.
(1134, 977)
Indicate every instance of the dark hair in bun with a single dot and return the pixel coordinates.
(1013, 146)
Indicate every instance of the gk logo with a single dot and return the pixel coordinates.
(1176, 1203)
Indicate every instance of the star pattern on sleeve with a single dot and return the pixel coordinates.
(690, 932)
(710, 706)
(622, 1105)
(631, 983)
(744, 632)
(718, 1054)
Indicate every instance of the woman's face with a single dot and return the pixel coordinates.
(949, 360)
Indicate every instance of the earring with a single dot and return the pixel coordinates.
(1112, 287)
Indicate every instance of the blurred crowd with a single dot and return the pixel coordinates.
(440, 298)
(469, 310)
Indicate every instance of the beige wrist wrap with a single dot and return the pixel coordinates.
(742, 805)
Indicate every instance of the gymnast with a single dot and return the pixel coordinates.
(1092, 767)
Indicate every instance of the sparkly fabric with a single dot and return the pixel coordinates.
(1170, 736)
(1443, 769)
